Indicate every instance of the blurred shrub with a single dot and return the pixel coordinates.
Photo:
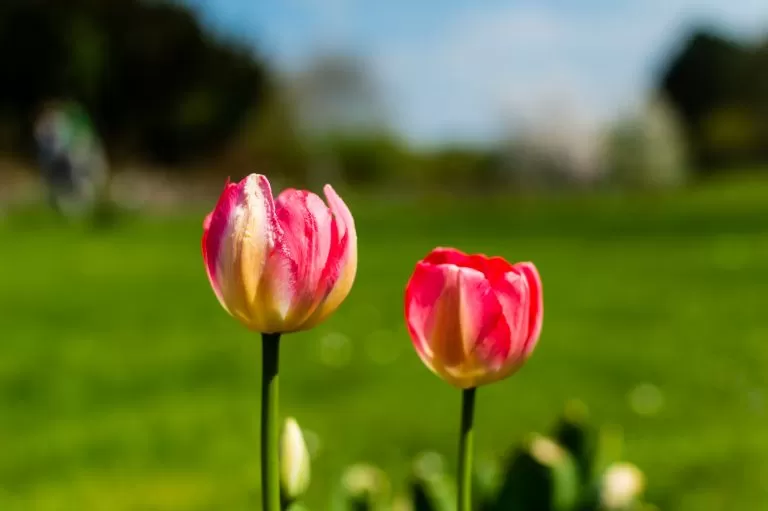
(369, 158)
(648, 150)
(463, 168)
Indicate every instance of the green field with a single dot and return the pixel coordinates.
(125, 386)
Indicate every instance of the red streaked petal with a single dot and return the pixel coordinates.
(340, 211)
(307, 231)
(306, 223)
(341, 267)
(496, 267)
(421, 294)
(512, 292)
(479, 310)
(536, 300)
(494, 350)
(491, 267)
(343, 251)
(240, 234)
(446, 255)
(214, 227)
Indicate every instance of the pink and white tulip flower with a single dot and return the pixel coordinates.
(279, 265)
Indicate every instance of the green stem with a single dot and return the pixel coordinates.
(270, 464)
(466, 440)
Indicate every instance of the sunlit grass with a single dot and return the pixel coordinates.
(124, 386)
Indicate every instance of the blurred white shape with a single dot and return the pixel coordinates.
(295, 469)
(621, 486)
(646, 399)
(556, 143)
(648, 150)
(335, 350)
(546, 451)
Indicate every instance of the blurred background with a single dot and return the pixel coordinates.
(622, 146)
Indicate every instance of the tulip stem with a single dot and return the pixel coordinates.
(466, 440)
(270, 464)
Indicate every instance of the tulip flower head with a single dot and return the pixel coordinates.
(473, 319)
(279, 265)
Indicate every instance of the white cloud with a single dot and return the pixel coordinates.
(462, 78)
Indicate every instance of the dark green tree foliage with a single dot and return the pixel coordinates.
(720, 89)
(157, 85)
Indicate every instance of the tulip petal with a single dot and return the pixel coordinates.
(421, 294)
(496, 267)
(484, 331)
(536, 300)
(512, 292)
(207, 259)
(214, 229)
(444, 255)
(341, 267)
(306, 224)
(492, 353)
(479, 310)
(493, 267)
(243, 230)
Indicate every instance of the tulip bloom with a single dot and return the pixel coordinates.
(279, 265)
(473, 319)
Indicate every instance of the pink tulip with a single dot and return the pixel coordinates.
(279, 265)
(473, 319)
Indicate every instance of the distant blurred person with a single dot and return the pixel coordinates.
(71, 158)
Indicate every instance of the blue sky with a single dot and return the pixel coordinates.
(465, 70)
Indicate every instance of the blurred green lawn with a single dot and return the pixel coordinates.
(124, 385)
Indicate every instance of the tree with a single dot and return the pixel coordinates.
(156, 84)
(720, 89)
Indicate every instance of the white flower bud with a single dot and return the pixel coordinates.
(294, 461)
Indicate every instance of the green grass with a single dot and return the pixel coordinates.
(124, 385)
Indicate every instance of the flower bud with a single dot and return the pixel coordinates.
(294, 461)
